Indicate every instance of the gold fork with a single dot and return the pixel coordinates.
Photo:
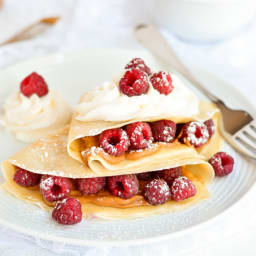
(31, 30)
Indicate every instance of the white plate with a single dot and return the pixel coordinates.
(72, 74)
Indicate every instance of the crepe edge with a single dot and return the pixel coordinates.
(92, 211)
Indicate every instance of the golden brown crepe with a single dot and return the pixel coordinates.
(49, 156)
(83, 146)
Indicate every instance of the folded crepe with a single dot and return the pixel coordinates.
(105, 108)
(49, 156)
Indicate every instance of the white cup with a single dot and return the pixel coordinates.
(201, 20)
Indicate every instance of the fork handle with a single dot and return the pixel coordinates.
(153, 40)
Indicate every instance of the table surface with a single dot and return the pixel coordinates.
(84, 24)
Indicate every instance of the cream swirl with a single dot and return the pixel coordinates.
(32, 117)
(109, 104)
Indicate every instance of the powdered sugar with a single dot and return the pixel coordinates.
(195, 133)
(182, 188)
(157, 191)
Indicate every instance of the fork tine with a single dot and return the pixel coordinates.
(249, 136)
(245, 145)
(253, 128)
(246, 137)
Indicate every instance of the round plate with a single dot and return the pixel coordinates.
(71, 75)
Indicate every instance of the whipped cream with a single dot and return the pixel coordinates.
(107, 103)
(32, 117)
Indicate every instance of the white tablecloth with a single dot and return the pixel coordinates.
(84, 24)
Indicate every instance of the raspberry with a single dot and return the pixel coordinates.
(169, 174)
(210, 126)
(163, 130)
(194, 133)
(55, 188)
(25, 178)
(222, 163)
(140, 135)
(138, 63)
(162, 82)
(182, 188)
(34, 83)
(144, 176)
(157, 192)
(114, 141)
(124, 186)
(91, 185)
(67, 212)
(134, 83)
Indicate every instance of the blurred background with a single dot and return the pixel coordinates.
(216, 35)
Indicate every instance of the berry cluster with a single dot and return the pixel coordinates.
(135, 136)
(67, 210)
(138, 78)
(141, 135)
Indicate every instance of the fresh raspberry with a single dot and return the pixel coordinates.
(140, 135)
(169, 174)
(182, 188)
(34, 83)
(162, 82)
(124, 186)
(222, 163)
(210, 126)
(25, 178)
(156, 192)
(67, 212)
(194, 134)
(163, 130)
(91, 185)
(138, 63)
(144, 176)
(114, 141)
(134, 82)
(55, 188)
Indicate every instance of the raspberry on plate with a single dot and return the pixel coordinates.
(25, 178)
(182, 188)
(34, 83)
(156, 192)
(67, 212)
(210, 126)
(55, 188)
(163, 130)
(194, 134)
(140, 135)
(124, 186)
(169, 174)
(90, 185)
(138, 63)
(162, 82)
(144, 175)
(114, 141)
(134, 82)
(222, 163)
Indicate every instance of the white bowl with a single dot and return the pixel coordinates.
(201, 20)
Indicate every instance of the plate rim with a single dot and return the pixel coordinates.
(139, 241)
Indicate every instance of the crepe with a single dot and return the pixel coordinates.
(82, 146)
(49, 156)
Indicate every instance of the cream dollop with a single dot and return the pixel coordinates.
(32, 117)
(109, 104)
